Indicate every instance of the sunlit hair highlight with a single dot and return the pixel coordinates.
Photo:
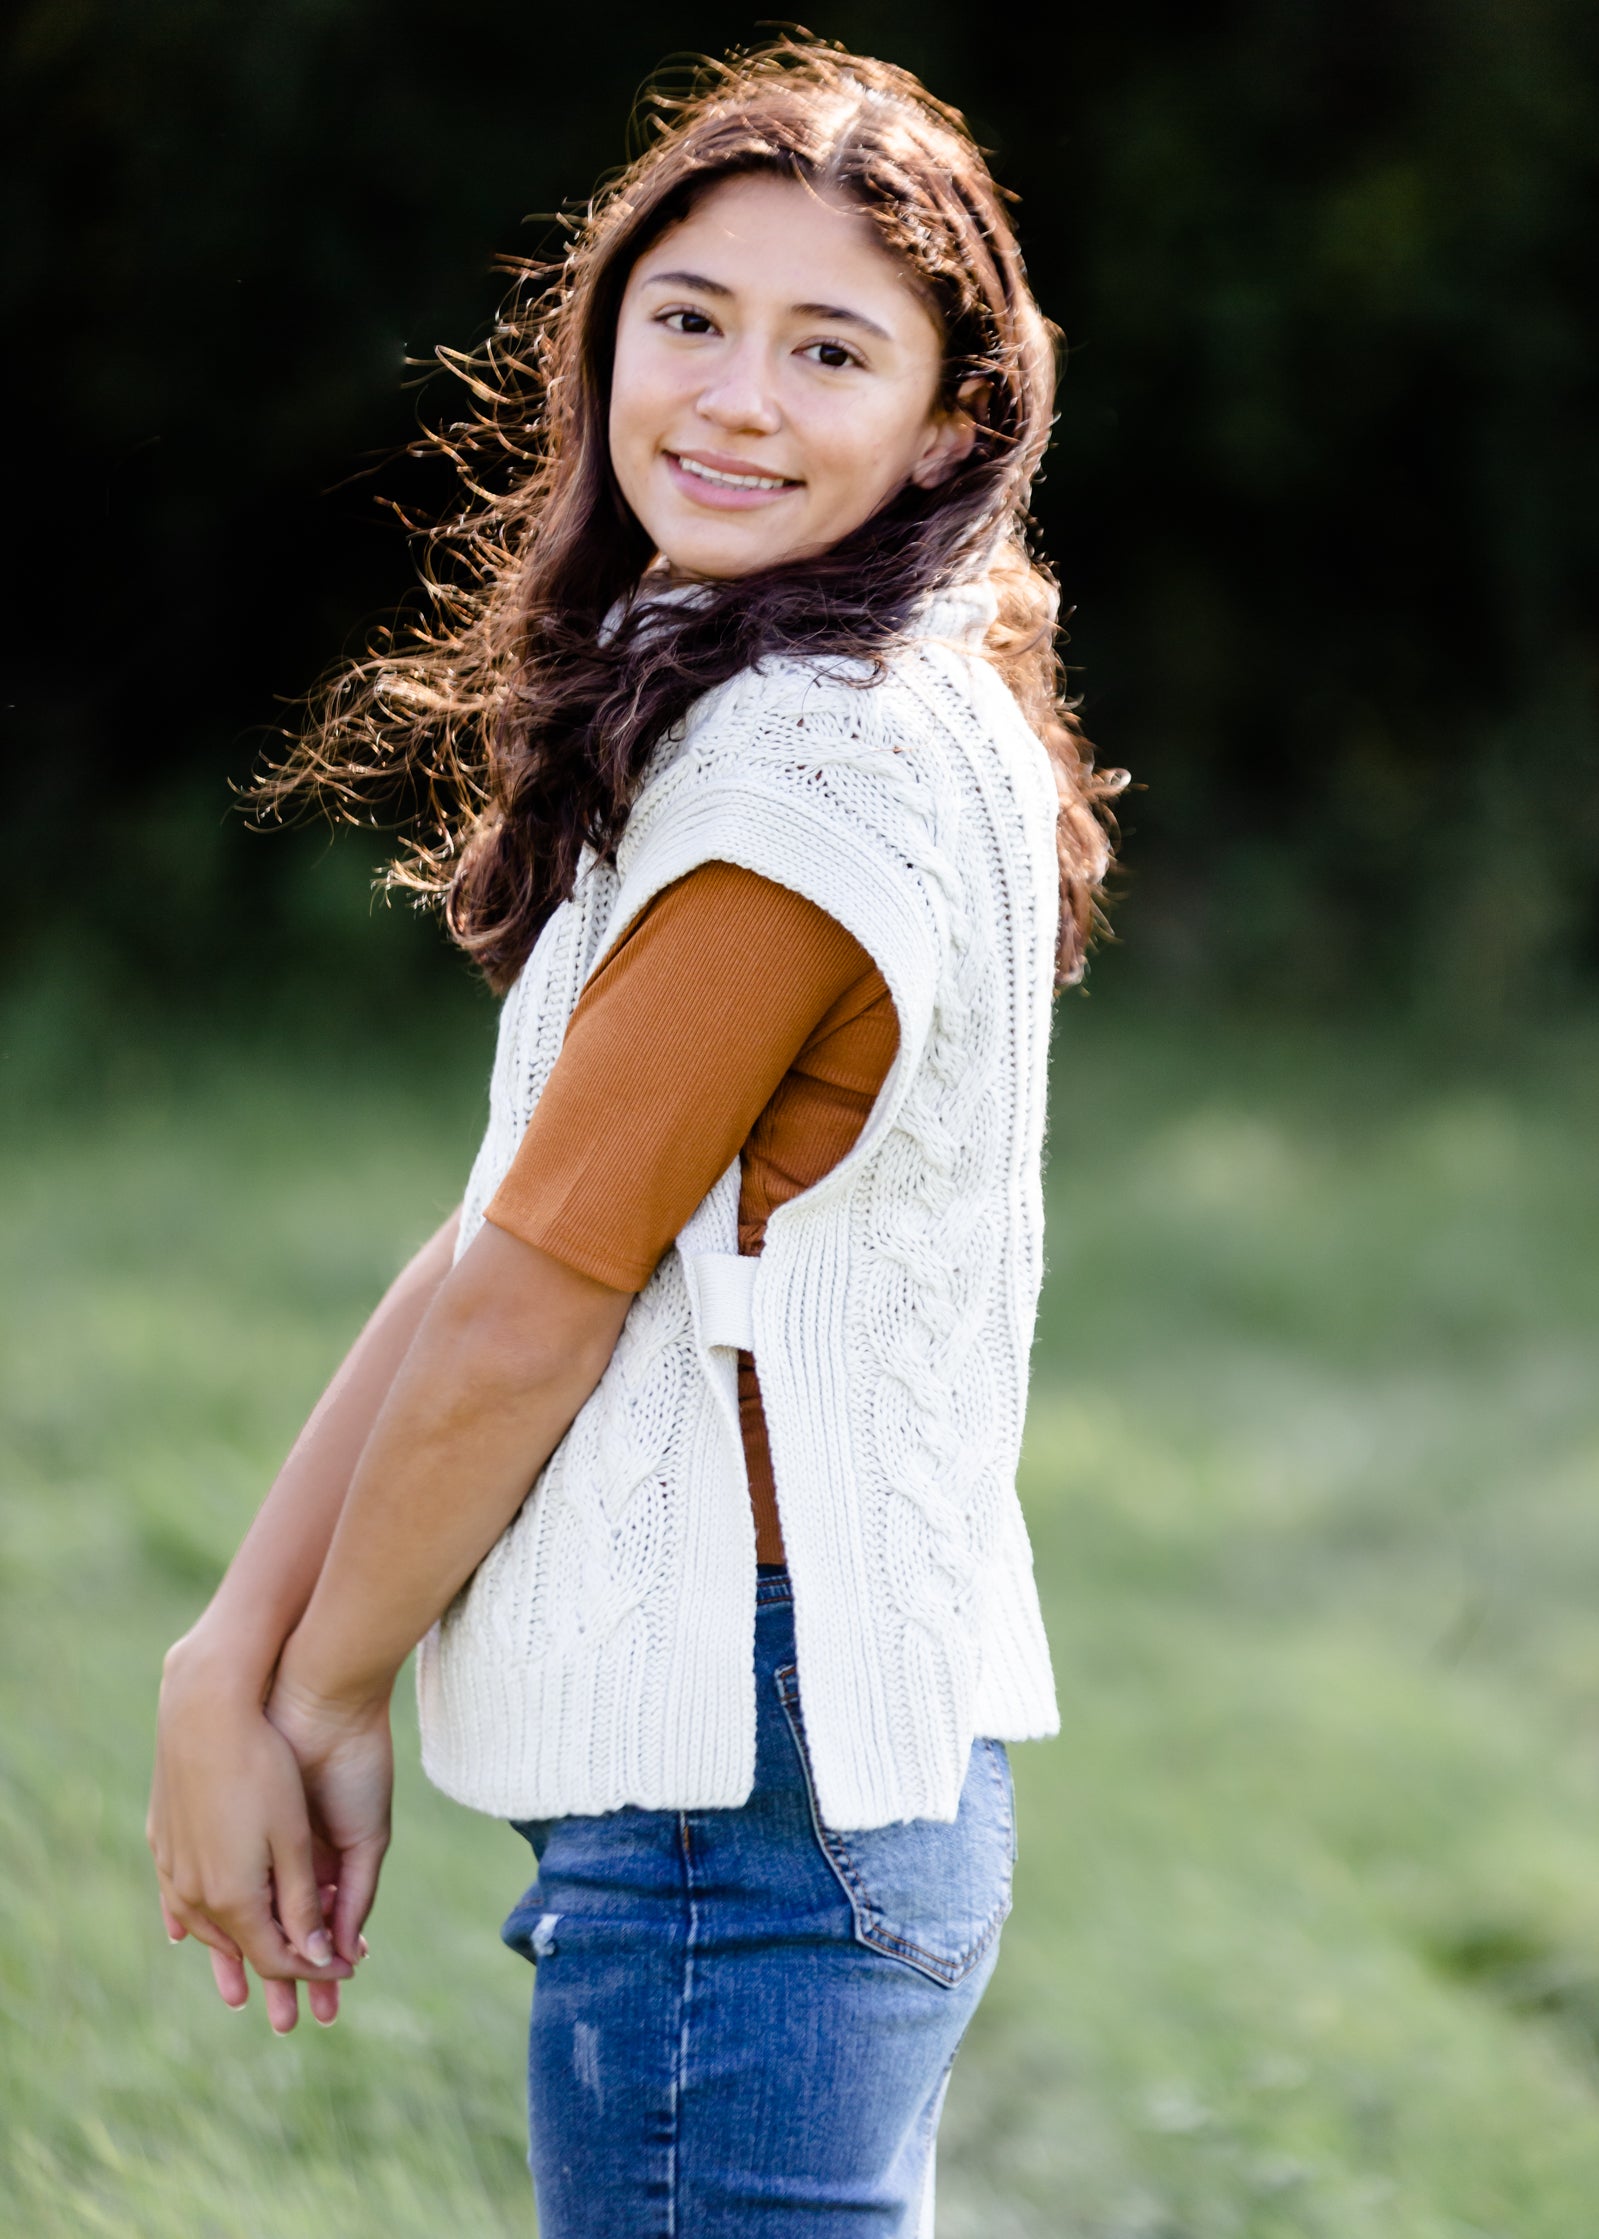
(511, 731)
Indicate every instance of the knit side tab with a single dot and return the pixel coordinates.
(708, 1242)
(722, 1287)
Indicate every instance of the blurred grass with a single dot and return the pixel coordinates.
(1307, 1935)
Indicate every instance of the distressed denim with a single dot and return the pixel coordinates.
(744, 2021)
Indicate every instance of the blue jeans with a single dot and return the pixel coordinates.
(744, 2021)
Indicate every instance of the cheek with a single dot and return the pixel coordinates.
(624, 394)
(635, 392)
(867, 445)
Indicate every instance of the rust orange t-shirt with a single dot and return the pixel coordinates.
(733, 1016)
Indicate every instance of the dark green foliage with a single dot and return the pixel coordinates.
(1325, 490)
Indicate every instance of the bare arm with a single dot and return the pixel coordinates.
(269, 1581)
(511, 1346)
(234, 1645)
(216, 1753)
(507, 1348)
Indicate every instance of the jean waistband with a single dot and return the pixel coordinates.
(772, 1584)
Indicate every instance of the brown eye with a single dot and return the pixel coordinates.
(694, 322)
(833, 355)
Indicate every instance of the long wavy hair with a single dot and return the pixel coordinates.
(512, 729)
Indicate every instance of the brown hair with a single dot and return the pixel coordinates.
(516, 735)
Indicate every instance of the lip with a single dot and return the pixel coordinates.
(718, 496)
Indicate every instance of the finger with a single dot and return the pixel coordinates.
(233, 1985)
(282, 2005)
(299, 1900)
(330, 1895)
(244, 1928)
(323, 1997)
(275, 1959)
(323, 2000)
(358, 1886)
(203, 1928)
(183, 1918)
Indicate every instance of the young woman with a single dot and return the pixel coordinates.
(754, 795)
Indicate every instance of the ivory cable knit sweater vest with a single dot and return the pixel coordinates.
(602, 1652)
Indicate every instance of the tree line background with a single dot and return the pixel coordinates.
(1324, 492)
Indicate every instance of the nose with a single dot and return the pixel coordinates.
(739, 398)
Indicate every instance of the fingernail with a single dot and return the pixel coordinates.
(174, 1939)
(318, 1947)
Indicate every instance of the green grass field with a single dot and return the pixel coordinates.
(1306, 1943)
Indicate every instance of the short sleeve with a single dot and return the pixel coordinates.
(675, 1047)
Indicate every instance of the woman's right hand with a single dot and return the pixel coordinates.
(236, 1861)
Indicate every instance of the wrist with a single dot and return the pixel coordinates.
(214, 1659)
(324, 1689)
(319, 1728)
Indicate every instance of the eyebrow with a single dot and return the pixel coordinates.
(844, 317)
(706, 286)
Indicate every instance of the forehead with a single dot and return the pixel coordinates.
(767, 237)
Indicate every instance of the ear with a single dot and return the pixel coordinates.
(952, 434)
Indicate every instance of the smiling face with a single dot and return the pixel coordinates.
(775, 381)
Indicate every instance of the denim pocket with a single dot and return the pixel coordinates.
(528, 1927)
(931, 1892)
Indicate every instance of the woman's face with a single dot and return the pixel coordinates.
(776, 381)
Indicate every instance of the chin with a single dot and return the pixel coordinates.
(720, 558)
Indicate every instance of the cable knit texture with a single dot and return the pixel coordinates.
(602, 1653)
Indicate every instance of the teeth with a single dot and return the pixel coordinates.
(732, 481)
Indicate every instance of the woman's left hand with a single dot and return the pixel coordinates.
(346, 1759)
